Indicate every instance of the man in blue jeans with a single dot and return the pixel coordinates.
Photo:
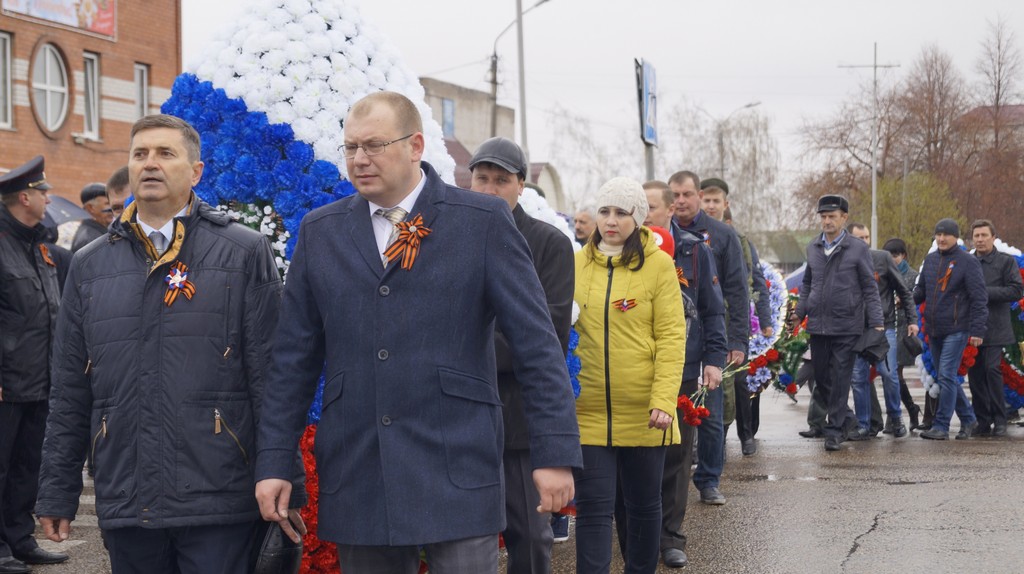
(865, 401)
(952, 288)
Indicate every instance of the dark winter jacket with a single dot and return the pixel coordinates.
(29, 297)
(732, 274)
(87, 232)
(1003, 284)
(903, 356)
(705, 337)
(952, 287)
(165, 395)
(839, 295)
(890, 287)
(553, 259)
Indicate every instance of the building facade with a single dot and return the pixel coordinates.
(75, 75)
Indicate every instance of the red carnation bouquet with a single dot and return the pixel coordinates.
(693, 407)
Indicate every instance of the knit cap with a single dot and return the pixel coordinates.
(626, 194)
(947, 226)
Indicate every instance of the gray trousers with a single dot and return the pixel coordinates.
(467, 556)
(528, 536)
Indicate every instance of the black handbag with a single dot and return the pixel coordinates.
(912, 344)
(273, 552)
(872, 345)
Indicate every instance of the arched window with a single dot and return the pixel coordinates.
(50, 87)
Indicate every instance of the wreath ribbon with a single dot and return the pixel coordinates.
(407, 245)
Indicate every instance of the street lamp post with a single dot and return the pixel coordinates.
(720, 132)
(522, 73)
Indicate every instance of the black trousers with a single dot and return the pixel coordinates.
(212, 549)
(986, 382)
(528, 536)
(832, 357)
(744, 416)
(675, 482)
(22, 426)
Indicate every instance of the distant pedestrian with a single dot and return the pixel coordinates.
(904, 357)
(838, 297)
(119, 190)
(952, 287)
(1003, 285)
(95, 202)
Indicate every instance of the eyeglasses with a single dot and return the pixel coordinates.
(370, 148)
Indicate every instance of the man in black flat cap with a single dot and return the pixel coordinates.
(29, 296)
(839, 297)
(95, 201)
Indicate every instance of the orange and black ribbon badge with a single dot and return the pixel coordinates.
(944, 281)
(177, 282)
(681, 277)
(407, 246)
(46, 255)
(624, 304)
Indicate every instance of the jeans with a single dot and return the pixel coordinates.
(639, 471)
(862, 387)
(946, 354)
(711, 442)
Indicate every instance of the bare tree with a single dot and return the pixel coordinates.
(1000, 68)
(933, 99)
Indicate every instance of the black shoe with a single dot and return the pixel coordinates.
(967, 431)
(674, 558)
(832, 443)
(711, 495)
(983, 430)
(39, 556)
(887, 429)
(899, 430)
(859, 435)
(999, 430)
(935, 434)
(749, 447)
(11, 565)
(813, 432)
(924, 427)
(915, 413)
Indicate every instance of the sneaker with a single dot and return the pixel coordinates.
(711, 495)
(560, 527)
(967, 431)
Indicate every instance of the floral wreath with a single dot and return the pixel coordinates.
(765, 363)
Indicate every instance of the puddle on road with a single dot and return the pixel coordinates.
(776, 478)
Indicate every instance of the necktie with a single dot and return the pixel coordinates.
(395, 215)
(159, 242)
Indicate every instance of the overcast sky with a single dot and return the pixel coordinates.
(579, 53)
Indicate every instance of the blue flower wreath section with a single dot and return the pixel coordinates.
(251, 161)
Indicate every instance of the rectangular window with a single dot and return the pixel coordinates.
(5, 80)
(141, 90)
(91, 127)
(448, 117)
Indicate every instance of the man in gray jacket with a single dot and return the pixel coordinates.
(1003, 284)
(839, 297)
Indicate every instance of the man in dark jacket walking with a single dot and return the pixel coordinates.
(499, 168)
(95, 202)
(29, 297)
(839, 297)
(1003, 284)
(732, 275)
(952, 288)
(164, 335)
(890, 289)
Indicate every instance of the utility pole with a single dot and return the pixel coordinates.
(874, 145)
(522, 83)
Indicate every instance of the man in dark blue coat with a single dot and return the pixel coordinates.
(732, 277)
(397, 289)
(952, 288)
(1003, 283)
(499, 168)
(839, 297)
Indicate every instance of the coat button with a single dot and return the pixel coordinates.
(384, 290)
(382, 354)
(385, 420)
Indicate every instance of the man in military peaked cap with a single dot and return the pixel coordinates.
(29, 295)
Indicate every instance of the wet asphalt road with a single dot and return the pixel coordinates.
(885, 505)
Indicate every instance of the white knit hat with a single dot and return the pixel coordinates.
(624, 193)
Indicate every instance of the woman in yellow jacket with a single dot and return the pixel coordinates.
(632, 349)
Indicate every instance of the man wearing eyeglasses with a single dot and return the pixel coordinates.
(393, 293)
(118, 190)
(95, 202)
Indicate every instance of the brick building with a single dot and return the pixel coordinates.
(75, 75)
